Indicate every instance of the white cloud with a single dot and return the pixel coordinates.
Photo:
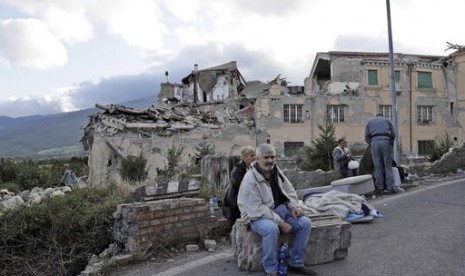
(28, 42)
(138, 22)
(4, 63)
(70, 27)
(265, 37)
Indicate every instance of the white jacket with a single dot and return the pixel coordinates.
(255, 198)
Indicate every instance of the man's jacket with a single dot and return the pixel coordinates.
(255, 199)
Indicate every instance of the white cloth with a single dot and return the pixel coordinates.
(336, 202)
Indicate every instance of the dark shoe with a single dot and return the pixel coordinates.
(379, 192)
(274, 273)
(391, 192)
(301, 270)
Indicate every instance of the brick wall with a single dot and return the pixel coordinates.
(141, 225)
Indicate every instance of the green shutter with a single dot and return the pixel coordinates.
(373, 77)
(424, 80)
(397, 76)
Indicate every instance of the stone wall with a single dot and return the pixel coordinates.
(143, 225)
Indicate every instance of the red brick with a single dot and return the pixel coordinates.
(186, 217)
(172, 219)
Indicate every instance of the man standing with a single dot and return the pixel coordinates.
(269, 203)
(380, 134)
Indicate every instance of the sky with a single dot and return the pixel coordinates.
(66, 55)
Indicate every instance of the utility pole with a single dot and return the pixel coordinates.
(392, 85)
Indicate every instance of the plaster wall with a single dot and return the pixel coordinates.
(105, 160)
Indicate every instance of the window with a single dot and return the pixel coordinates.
(336, 113)
(425, 80)
(373, 77)
(451, 108)
(424, 114)
(386, 110)
(425, 147)
(291, 148)
(397, 76)
(397, 80)
(293, 113)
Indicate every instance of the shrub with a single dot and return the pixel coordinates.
(441, 146)
(57, 236)
(39, 173)
(133, 168)
(173, 170)
(11, 187)
(201, 150)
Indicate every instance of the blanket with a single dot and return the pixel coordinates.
(335, 202)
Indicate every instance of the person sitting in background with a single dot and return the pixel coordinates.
(230, 209)
(341, 159)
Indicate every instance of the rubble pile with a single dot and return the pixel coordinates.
(164, 120)
(10, 200)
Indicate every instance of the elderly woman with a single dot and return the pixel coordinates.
(341, 158)
(230, 209)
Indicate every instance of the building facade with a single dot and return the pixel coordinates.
(349, 88)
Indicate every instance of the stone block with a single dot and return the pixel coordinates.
(329, 241)
(361, 184)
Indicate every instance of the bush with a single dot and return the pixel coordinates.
(11, 187)
(441, 147)
(133, 168)
(40, 173)
(58, 236)
(174, 170)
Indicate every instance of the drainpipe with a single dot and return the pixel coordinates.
(196, 67)
(409, 74)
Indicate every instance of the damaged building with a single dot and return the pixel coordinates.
(352, 87)
(216, 118)
(217, 106)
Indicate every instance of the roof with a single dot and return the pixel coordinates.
(229, 66)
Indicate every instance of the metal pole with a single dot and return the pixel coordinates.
(392, 85)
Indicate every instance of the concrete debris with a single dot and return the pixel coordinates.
(191, 248)
(210, 245)
(9, 200)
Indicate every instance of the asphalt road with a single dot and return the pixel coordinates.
(422, 233)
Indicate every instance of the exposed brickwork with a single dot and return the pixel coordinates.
(140, 225)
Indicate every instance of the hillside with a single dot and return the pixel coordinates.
(44, 136)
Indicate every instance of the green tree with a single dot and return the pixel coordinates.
(201, 150)
(319, 154)
(174, 169)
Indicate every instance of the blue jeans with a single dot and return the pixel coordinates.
(287, 216)
(269, 231)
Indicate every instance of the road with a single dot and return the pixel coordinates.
(422, 233)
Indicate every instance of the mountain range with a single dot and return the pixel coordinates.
(50, 136)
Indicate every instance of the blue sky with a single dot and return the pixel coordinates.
(65, 55)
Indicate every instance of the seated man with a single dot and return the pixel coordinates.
(263, 189)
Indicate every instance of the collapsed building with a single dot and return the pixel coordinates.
(218, 107)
